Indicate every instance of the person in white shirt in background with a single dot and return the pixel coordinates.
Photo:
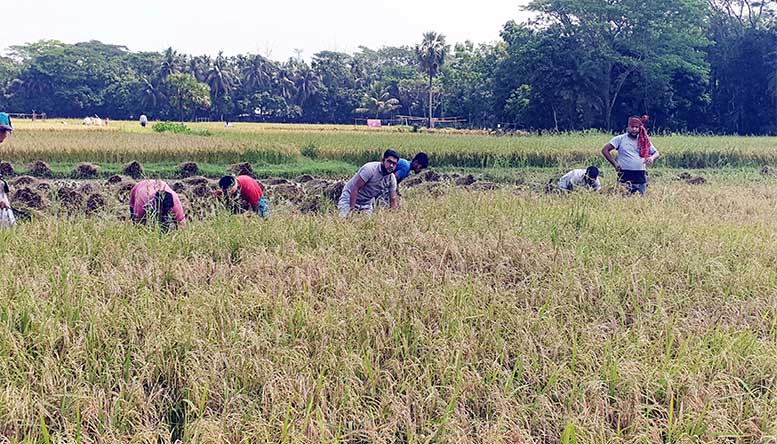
(584, 178)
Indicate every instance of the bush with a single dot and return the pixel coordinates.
(310, 150)
(178, 128)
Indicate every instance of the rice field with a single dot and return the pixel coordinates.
(467, 316)
(68, 141)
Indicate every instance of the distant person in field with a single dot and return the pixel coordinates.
(404, 167)
(154, 200)
(635, 154)
(143, 120)
(5, 126)
(360, 192)
(245, 192)
(580, 178)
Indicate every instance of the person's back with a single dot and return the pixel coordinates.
(586, 178)
(143, 120)
(156, 195)
(248, 190)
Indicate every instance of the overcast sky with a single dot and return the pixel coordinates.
(275, 29)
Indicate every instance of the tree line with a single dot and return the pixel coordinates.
(692, 65)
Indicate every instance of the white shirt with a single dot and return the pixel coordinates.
(576, 178)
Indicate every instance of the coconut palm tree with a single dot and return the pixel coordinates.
(431, 56)
(171, 63)
(377, 101)
(221, 78)
(256, 71)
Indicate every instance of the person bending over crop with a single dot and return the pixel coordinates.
(247, 191)
(586, 178)
(404, 167)
(360, 192)
(635, 154)
(154, 200)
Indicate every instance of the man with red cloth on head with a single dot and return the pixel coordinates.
(635, 154)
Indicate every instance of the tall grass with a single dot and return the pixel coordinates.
(125, 141)
(470, 317)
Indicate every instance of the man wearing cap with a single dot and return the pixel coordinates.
(5, 126)
(635, 154)
(369, 182)
(585, 178)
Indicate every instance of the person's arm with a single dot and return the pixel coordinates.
(606, 152)
(132, 205)
(393, 201)
(180, 216)
(653, 156)
(355, 193)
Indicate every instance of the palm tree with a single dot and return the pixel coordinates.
(220, 77)
(198, 67)
(171, 63)
(284, 81)
(431, 56)
(306, 82)
(377, 100)
(256, 71)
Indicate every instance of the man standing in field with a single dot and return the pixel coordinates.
(635, 154)
(360, 192)
(5, 126)
(154, 198)
(586, 178)
(247, 190)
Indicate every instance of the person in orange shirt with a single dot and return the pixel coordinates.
(247, 190)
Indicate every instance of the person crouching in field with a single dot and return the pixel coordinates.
(402, 171)
(247, 191)
(154, 200)
(360, 192)
(635, 154)
(584, 178)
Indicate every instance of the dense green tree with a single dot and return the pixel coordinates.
(187, 95)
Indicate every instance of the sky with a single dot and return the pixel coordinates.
(276, 29)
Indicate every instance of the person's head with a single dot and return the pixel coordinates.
(420, 162)
(163, 205)
(389, 163)
(635, 123)
(5, 126)
(591, 174)
(228, 185)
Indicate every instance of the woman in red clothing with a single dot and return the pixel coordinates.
(247, 190)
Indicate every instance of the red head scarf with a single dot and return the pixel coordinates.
(643, 141)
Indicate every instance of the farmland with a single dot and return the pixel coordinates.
(470, 315)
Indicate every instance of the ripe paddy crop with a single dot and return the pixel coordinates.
(504, 316)
(125, 141)
(467, 316)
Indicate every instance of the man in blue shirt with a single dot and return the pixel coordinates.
(402, 171)
(404, 166)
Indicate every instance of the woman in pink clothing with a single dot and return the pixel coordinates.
(155, 199)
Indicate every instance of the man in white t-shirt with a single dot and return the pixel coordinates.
(583, 178)
(635, 154)
(369, 182)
